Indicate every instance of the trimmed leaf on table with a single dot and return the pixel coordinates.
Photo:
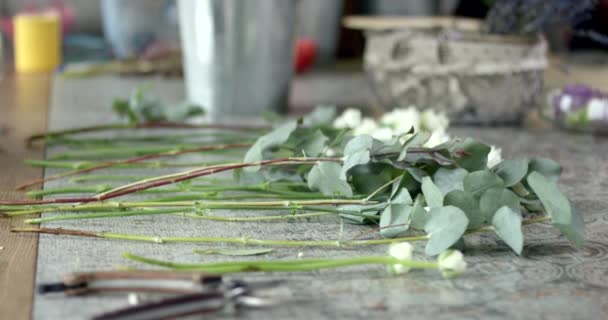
(567, 220)
(475, 155)
(356, 152)
(495, 198)
(547, 167)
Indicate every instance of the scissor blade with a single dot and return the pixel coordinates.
(185, 305)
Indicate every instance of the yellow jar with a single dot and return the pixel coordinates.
(37, 42)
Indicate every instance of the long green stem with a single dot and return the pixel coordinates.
(79, 165)
(122, 178)
(282, 265)
(245, 240)
(202, 205)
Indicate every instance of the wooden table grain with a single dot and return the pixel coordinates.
(23, 111)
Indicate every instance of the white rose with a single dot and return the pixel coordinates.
(350, 118)
(433, 121)
(400, 251)
(367, 126)
(438, 137)
(494, 157)
(383, 134)
(402, 120)
(451, 263)
(597, 109)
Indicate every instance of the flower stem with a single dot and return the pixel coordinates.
(241, 240)
(202, 205)
(145, 125)
(103, 165)
(282, 265)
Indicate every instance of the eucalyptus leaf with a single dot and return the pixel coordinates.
(394, 220)
(466, 202)
(314, 144)
(417, 173)
(511, 171)
(325, 177)
(479, 181)
(507, 224)
(557, 205)
(273, 139)
(432, 194)
(493, 199)
(320, 116)
(448, 179)
(183, 111)
(547, 167)
(475, 154)
(235, 252)
(419, 215)
(444, 228)
(364, 213)
(402, 197)
(356, 152)
(417, 139)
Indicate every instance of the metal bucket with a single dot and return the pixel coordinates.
(238, 55)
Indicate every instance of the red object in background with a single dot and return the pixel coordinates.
(306, 52)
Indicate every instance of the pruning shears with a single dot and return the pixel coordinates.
(198, 293)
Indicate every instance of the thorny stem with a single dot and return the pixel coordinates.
(109, 164)
(171, 179)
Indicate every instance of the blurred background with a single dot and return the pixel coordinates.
(330, 59)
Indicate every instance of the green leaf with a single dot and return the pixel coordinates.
(366, 179)
(402, 197)
(511, 171)
(325, 177)
(183, 111)
(419, 215)
(417, 173)
(356, 152)
(417, 139)
(432, 194)
(444, 228)
(479, 181)
(449, 179)
(466, 202)
(547, 167)
(507, 224)
(321, 115)
(495, 198)
(394, 220)
(235, 252)
(365, 213)
(273, 139)
(576, 230)
(475, 154)
(557, 205)
(314, 144)
(122, 108)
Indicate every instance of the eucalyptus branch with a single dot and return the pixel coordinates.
(170, 153)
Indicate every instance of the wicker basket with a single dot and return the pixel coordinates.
(448, 64)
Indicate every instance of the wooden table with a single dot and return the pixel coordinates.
(574, 282)
(23, 111)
